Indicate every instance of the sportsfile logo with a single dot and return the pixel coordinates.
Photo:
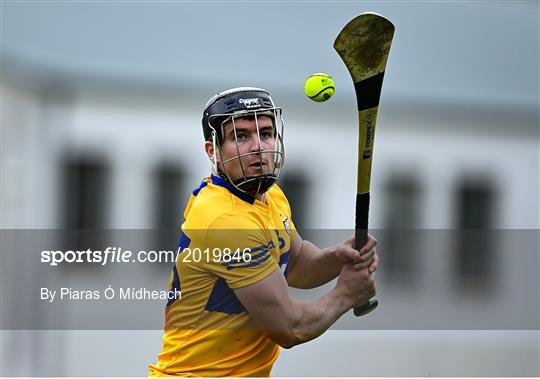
(250, 103)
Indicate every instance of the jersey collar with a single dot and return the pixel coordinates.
(235, 191)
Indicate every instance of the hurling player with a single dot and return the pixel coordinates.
(240, 253)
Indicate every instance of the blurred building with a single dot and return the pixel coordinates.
(95, 153)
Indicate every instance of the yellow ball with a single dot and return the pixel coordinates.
(319, 87)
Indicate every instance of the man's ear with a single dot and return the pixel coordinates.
(209, 149)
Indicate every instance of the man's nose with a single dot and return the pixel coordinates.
(254, 143)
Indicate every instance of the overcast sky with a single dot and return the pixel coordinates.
(459, 50)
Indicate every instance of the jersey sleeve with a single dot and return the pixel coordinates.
(239, 252)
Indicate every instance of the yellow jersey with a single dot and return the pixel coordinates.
(229, 240)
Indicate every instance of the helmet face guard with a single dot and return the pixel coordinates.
(245, 103)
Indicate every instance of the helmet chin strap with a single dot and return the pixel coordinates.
(252, 185)
(256, 184)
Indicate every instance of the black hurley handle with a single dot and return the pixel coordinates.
(360, 240)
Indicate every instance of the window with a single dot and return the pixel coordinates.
(170, 199)
(400, 238)
(474, 248)
(84, 199)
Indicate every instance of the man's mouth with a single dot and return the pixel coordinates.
(257, 164)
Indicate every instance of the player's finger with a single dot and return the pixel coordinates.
(366, 256)
(362, 265)
(371, 243)
(356, 257)
(375, 264)
(350, 253)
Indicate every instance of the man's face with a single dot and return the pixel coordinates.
(248, 142)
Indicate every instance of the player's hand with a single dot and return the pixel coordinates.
(355, 286)
(366, 257)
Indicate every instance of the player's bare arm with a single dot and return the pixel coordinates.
(312, 267)
(290, 322)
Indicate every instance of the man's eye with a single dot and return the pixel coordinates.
(241, 136)
(266, 135)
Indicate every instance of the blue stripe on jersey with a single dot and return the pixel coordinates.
(225, 184)
(258, 248)
(254, 263)
(182, 244)
(175, 284)
(260, 253)
(257, 256)
(255, 259)
(200, 187)
(284, 260)
(261, 258)
(223, 299)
